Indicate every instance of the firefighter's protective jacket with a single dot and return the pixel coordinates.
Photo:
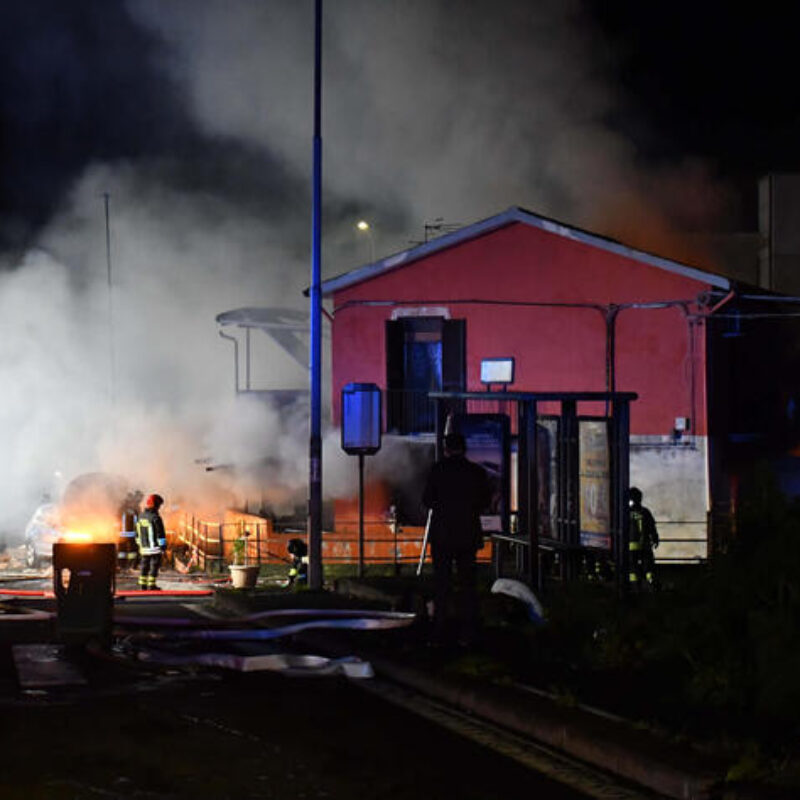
(644, 535)
(299, 569)
(150, 534)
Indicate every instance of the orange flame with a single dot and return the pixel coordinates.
(89, 528)
(77, 537)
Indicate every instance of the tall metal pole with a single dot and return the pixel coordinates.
(315, 444)
(360, 515)
(112, 357)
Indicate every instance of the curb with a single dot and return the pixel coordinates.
(614, 747)
(635, 755)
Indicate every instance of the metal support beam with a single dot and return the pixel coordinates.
(529, 488)
(620, 478)
(360, 515)
(569, 487)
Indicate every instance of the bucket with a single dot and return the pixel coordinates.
(244, 576)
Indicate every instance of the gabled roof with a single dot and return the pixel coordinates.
(512, 215)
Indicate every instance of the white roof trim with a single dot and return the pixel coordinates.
(511, 215)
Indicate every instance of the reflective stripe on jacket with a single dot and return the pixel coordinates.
(150, 535)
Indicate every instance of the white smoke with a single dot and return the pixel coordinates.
(431, 108)
(145, 391)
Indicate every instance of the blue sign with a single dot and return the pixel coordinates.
(361, 418)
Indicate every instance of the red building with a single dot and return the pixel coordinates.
(577, 312)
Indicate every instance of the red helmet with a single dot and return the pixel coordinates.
(153, 501)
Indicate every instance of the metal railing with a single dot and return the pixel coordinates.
(208, 545)
(384, 543)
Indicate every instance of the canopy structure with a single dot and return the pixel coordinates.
(287, 327)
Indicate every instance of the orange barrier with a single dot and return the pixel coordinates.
(126, 593)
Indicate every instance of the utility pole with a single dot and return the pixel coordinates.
(111, 353)
(315, 346)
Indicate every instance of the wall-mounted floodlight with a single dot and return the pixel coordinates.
(497, 370)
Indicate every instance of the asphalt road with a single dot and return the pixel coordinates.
(155, 733)
(241, 736)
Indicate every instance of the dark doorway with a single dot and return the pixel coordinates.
(423, 354)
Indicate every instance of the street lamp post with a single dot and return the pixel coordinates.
(112, 355)
(315, 347)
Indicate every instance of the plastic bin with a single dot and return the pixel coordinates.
(83, 582)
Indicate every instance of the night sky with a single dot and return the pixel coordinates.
(83, 82)
(713, 80)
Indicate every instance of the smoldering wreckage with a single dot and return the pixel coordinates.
(80, 560)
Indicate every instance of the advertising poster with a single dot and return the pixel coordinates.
(594, 484)
(487, 437)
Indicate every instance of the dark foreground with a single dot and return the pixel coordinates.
(240, 736)
(144, 730)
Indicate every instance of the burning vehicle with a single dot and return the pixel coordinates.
(41, 533)
(91, 509)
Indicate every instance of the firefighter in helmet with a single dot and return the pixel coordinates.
(151, 539)
(127, 551)
(643, 540)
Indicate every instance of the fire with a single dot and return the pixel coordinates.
(90, 509)
(86, 528)
(76, 537)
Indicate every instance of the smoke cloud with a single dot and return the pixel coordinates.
(432, 109)
(195, 119)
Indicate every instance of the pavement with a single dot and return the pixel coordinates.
(593, 736)
(610, 743)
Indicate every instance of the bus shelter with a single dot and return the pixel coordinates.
(559, 464)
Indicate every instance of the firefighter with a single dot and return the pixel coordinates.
(127, 551)
(643, 540)
(152, 541)
(298, 573)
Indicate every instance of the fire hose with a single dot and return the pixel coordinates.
(385, 621)
(338, 613)
(285, 663)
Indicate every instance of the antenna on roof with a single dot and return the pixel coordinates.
(439, 227)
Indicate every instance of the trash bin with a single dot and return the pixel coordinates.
(83, 583)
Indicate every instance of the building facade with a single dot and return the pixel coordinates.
(577, 312)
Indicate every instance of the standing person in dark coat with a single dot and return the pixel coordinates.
(457, 491)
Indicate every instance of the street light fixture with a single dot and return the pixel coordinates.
(364, 227)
